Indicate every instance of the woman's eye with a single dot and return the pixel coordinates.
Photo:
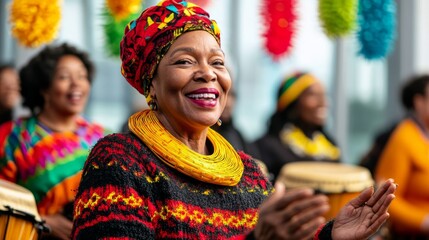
(184, 61)
(221, 63)
(62, 77)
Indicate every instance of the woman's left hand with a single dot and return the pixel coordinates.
(364, 215)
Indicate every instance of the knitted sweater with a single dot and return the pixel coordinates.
(126, 192)
(47, 163)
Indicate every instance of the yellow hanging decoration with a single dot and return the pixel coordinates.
(123, 8)
(222, 167)
(35, 22)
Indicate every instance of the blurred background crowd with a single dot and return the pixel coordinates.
(362, 94)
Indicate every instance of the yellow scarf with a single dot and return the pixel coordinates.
(222, 167)
(319, 147)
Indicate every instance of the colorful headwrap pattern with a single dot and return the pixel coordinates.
(292, 87)
(148, 38)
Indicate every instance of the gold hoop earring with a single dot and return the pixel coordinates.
(152, 104)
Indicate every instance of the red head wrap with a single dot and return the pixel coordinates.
(148, 38)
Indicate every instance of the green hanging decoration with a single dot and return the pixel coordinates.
(338, 17)
(114, 31)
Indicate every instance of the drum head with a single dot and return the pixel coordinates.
(13, 196)
(326, 177)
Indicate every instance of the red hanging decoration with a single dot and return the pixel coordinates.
(279, 22)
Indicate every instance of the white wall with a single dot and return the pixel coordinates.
(422, 36)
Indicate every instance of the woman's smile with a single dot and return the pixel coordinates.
(204, 97)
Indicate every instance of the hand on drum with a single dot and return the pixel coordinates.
(292, 214)
(362, 216)
(60, 226)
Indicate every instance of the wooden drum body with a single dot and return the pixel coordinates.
(340, 182)
(19, 218)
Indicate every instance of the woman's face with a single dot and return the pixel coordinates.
(70, 87)
(192, 82)
(421, 105)
(9, 88)
(313, 105)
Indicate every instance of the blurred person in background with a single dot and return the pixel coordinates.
(172, 176)
(296, 129)
(9, 92)
(45, 152)
(406, 159)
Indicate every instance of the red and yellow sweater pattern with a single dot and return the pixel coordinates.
(126, 192)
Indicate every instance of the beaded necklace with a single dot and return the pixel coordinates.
(319, 147)
(222, 167)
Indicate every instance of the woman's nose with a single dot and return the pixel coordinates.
(205, 72)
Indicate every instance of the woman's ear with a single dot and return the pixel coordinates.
(152, 91)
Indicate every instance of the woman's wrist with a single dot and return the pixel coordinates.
(325, 231)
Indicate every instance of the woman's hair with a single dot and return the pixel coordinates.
(416, 85)
(38, 74)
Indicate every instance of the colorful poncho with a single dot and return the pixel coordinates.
(47, 163)
(128, 193)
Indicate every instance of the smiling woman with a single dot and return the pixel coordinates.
(46, 152)
(191, 85)
(172, 176)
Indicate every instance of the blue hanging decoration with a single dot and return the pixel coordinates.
(377, 28)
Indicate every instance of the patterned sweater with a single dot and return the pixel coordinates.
(47, 163)
(126, 192)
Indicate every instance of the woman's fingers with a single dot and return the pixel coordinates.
(281, 198)
(291, 214)
(386, 188)
(305, 211)
(362, 198)
(383, 202)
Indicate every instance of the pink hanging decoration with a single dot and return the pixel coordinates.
(279, 23)
(201, 3)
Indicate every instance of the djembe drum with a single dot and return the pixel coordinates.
(340, 182)
(19, 218)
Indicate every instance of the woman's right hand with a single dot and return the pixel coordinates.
(60, 226)
(292, 214)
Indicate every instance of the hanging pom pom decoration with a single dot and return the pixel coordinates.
(377, 23)
(121, 9)
(279, 23)
(201, 3)
(113, 30)
(35, 22)
(338, 17)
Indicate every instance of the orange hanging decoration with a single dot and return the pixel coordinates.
(279, 22)
(124, 8)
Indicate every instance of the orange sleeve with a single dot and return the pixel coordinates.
(395, 162)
